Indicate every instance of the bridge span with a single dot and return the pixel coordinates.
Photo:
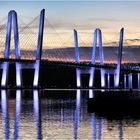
(106, 71)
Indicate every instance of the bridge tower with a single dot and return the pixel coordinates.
(12, 20)
(97, 38)
(91, 71)
(39, 48)
(76, 47)
(118, 69)
(78, 71)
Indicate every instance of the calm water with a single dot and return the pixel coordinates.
(58, 115)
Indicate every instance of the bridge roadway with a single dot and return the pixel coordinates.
(27, 64)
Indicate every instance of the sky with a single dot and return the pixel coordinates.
(84, 16)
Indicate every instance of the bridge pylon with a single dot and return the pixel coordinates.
(91, 71)
(39, 48)
(118, 69)
(97, 39)
(12, 20)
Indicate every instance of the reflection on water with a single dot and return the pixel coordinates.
(17, 114)
(37, 113)
(58, 115)
(5, 115)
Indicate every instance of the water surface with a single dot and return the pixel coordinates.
(60, 115)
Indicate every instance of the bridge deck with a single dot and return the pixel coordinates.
(125, 68)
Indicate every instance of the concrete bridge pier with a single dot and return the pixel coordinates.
(91, 77)
(138, 80)
(114, 79)
(125, 81)
(130, 85)
(5, 71)
(36, 73)
(18, 74)
(78, 77)
(103, 82)
(108, 80)
(79, 72)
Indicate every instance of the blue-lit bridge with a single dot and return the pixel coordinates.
(84, 67)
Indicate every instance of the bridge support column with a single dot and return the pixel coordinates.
(130, 81)
(5, 70)
(91, 77)
(93, 60)
(36, 73)
(5, 65)
(117, 77)
(108, 80)
(103, 84)
(78, 77)
(125, 82)
(114, 79)
(76, 46)
(18, 74)
(138, 80)
(78, 71)
(17, 51)
(39, 48)
(98, 37)
(99, 33)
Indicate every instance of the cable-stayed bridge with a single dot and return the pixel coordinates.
(54, 40)
(23, 42)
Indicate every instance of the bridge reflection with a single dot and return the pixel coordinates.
(5, 114)
(96, 131)
(37, 113)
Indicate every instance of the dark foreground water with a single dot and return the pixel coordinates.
(59, 115)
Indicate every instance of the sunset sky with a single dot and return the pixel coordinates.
(64, 16)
